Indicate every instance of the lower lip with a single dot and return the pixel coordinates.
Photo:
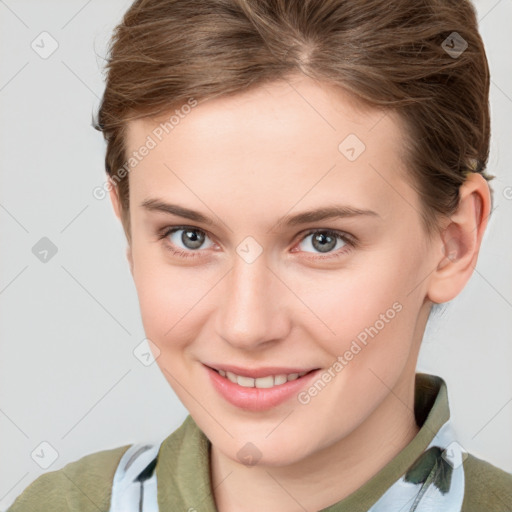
(258, 399)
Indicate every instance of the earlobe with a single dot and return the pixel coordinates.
(461, 239)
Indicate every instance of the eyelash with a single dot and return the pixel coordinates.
(345, 237)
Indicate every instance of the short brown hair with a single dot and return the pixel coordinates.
(388, 55)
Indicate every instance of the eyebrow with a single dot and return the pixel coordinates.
(331, 212)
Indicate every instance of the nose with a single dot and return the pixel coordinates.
(252, 310)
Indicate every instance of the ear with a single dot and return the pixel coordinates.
(129, 257)
(461, 239)
(116, 204)
(114, 197)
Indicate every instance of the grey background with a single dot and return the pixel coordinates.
(68, 327)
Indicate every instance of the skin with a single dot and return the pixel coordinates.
(287, 308)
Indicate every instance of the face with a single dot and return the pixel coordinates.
(232, 274)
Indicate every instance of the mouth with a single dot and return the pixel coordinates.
(259, 389)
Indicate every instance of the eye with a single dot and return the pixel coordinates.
(326, 241)
(191, 239)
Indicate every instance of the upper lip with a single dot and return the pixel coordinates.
(259, 372)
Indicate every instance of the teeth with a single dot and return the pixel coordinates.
(280, 379)
(261, 382)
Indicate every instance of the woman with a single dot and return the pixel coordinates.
(300, 184)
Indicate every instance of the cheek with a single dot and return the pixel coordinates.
(170, 298)
(356, 297)
(368, 312)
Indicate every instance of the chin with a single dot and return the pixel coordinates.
(271, 453)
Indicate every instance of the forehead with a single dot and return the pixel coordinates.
(299, 106)
(280, 141)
